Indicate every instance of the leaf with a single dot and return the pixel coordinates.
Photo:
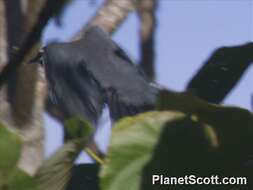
(76, 127)
(185, 148)
(177, 101)
(55, 172)
(221, 72)
(227, 120)
(133, 145)
(233, 125)
(10, 149)
(20, 180)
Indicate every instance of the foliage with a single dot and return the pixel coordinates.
(138, 140)
(11, 177)
(8, 141)
(232, 124)
(21, 181)
(200, 139)
(203, 139)
(54, 173)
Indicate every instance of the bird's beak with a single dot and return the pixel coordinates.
(38, 58)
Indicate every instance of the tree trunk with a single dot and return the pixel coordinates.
(3, 58)
(24, 113)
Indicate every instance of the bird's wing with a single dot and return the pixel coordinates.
(72, 90)
(127, 90)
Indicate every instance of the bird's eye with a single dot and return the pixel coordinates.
(39, 58)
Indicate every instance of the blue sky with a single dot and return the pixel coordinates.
(188, 31)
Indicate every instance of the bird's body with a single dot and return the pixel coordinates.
(84, 75)
(71, 88)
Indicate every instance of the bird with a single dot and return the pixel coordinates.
(85, 75)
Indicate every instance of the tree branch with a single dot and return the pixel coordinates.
(24, 113)
(109, 16)
(146, 12)
(49, 9)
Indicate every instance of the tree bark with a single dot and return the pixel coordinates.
(3, 53)
(146, 13)
(29, 100)
(109, 16)
(24, 113)
(3, 58)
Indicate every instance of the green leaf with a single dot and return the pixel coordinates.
(234, 126)
(185, 148)
(180, 101)
(21, 181)
(133, 146)
(55, 172)
(10, 148)
(76, 127)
